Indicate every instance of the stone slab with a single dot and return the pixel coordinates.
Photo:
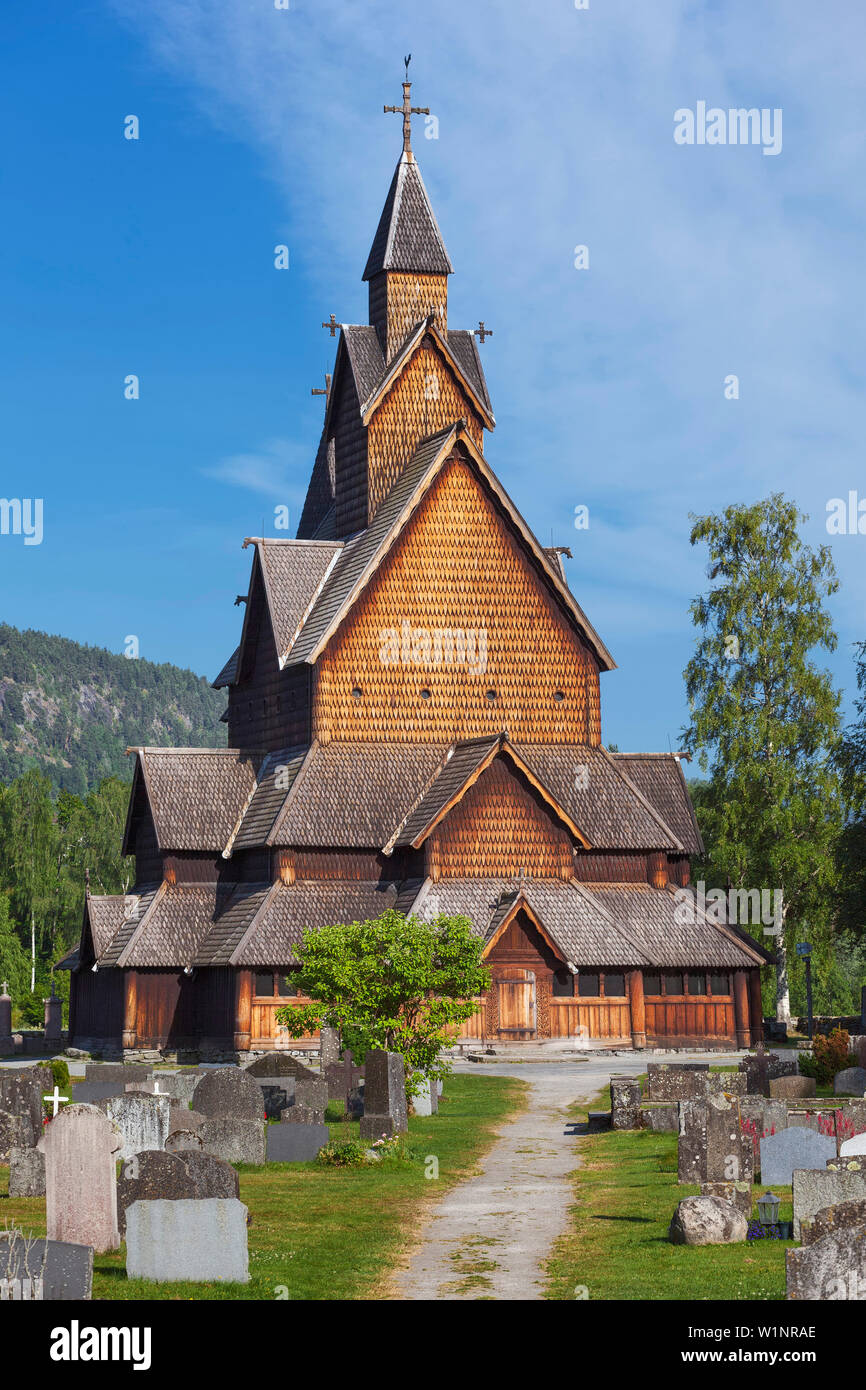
(677, 1080)
(295, 1143)
(200, 1240)
(425, 1100)
(661, 1119)
(16, 1132)
(856, 1145)
(280, 1064)
(26, 1173)
(66, 1269)
(81, 1147)
(92, 1092)
(832, 1269)
(211, 1176)
(625, 1102)
(229, 1093)
(142, 1120)
(385, 1088)
(850, 1082)
(814, 1189)
(151, 1176)
(234, 1141)
(781, 1154)
(119, 1072)
(792, 1087)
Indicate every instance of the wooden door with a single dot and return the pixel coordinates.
(517, 1003)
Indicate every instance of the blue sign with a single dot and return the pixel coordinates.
(804, 948)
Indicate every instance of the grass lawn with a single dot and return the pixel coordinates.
(328, 1233)
(617, 1245)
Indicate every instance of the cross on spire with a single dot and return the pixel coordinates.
(408, 111)
(322, 390)
(481, 332)
(332, 325)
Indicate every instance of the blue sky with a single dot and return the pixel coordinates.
(262, 126)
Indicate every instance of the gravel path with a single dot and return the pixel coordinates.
(489, 1238)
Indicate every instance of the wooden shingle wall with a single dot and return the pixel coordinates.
(398, 303)
(457, 568)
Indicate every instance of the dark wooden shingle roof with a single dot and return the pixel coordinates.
(408, 235)
(659, 776)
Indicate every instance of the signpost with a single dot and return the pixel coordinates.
(804, 950)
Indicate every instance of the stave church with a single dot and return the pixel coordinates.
(414, 722)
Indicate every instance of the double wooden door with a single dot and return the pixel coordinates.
(517, 1003)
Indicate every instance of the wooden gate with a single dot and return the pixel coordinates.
(517, 1004)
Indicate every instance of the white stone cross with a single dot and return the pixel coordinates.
(156, 1091)
(58, 1101)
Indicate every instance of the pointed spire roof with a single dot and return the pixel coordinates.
(408, 236)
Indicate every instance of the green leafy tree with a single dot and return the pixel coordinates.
(14, 964)
(765, 718)
(392, 983)
(852, 845)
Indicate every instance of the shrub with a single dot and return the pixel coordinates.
(60, 1072)
(830, 1054)
(343, 1153)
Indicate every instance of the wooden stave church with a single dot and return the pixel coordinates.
(414, 721)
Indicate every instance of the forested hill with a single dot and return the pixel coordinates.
(71, 711)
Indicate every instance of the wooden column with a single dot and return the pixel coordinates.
(757, 1007)
(130, 1009)
(243, 1010)
(636, 1007)
(741, 1009)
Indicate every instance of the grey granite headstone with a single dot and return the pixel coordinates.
(199, 1240)
(118, 1072)
(757, 1069)
(66, 1269)
(280, 1064)
(229, 1093)
(302, 1115)
(92, 1092)
(792, 1087)
(26, 1173)
(21, 1092)
(625, 1101)
(842, 1216)
(151, 1176)
(312, 1094)
(211, 1176)
(329, 1046)
(235, 1141)
(142, 1120)
(850, 1082)
(183, 1141)
(178, 1086)
(739, 1194)
(730, 1083)
(692, 1141)
(15, 1133)
(677, 1080)
(792, 1148)
(661, 1119)
(385, 1111)
(729, 1153)
(814, 1189)
(830, 1269)
(295, 1143)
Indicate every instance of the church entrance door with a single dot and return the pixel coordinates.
(517, 1004)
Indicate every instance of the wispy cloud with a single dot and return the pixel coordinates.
(274, 470)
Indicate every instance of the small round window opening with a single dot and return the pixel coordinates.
(559, 696)
(490, 697)
(357, 693)
(425, 694)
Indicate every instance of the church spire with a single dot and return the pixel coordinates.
(408, 266)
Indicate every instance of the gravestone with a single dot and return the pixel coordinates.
(179, 1117)
(276, 1097)
(15, 1133)
(677, 1080)
(295, 1143)
(821, 1121)
(846, 1165)
(661, 1119)
(21, 1092)
(426, 1100)
(355, 1102)
(792, 1087)
(151, 1176)
(203, 1240)
(625, 1102)
(5, 1015)
(279, 1064)
(101, 1073)
(850, 1082)
(757, 1070)
(729, 1155)
(183, 1141)
(312, 1094)
(793, 1148)
(739, 1194)
(851, 1120)
(385, 1111)
(760, 1117)
(66, 1269)
(841, 1216)
(814, 1189)
(229, 1094)
(329, 1046)
(830, 1269)
(235, 1141)
(855, 1145)
(692, 1141)
(93, 1093)
(342, 1077)
(142, 1120)
(211, 1176)
(302, 1115)
(729, 1083)
(178, 1087)
(779, 1066)
(81, 1147)
(26, 1173)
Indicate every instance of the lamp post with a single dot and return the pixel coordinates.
(768, 1209)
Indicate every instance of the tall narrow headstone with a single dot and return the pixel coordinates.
(385, 1111)
(5, 1014)
(53, 1016)
(142, 1120)
(81, 1147)
(329, 1046)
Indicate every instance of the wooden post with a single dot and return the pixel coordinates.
(243, 1010)
(757, 1005)
(130, 1009)
(636, 1008)
(741, 1009)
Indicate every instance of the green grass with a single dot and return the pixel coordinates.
(617, 1245)
(328, 1233)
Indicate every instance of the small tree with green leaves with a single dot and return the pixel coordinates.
(393, 983)
(765, 717)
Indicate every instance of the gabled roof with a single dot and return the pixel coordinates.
(293, 573)
(408, 235)
(228, 674)
(650, 917)
(274, 782)
(659, 776)
(363, 554)
(462, 767)
(466, 367)
(195, 794)
(132, 918)
(294, 908)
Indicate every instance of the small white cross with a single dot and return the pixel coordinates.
(58, 1101)
(156, 1091)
